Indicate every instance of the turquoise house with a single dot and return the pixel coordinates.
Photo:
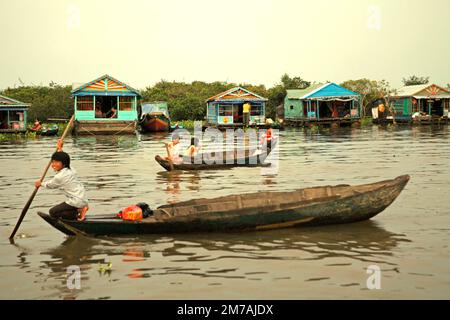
(322, 103)
(105, 106)
(13, 115)
(429, 99)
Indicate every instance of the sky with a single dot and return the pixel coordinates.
(141, 42)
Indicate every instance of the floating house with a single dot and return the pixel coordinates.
(322, 103)
(105, 106)
(13, 115)
(426, 101)
(226, 109)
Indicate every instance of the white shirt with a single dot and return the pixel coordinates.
(66, 180)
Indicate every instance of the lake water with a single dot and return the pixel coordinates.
(409, 241)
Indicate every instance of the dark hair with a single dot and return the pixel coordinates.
(63, 157)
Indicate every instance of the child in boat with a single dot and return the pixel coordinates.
(173, 149)
(76, 205)
(36, 126)
(267, 138)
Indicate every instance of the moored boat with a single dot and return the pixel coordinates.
(155, 117)
(314, 206)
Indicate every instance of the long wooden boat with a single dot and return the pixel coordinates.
(254, 211)
(207, 161)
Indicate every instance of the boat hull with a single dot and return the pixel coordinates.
(259, 211)
(228, 160)
(153, 123)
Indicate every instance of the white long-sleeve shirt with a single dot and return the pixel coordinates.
(66, 180)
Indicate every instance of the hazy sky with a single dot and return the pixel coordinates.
(251, 41)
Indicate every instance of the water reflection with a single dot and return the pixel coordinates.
(193, 253)
(74, 251)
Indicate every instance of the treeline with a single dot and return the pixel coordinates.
(187, 101)
(52, 101)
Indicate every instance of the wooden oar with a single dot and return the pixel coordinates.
(27, 205)
(169, 158)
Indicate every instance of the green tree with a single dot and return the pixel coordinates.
(53, 101)
(294, 83)
(413, 80)
(368, 89)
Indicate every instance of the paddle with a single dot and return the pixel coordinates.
(169, 158)
(27, 205)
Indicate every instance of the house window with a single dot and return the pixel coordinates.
(256, 110)
(126, 103)
(225, 110)
(85, 103)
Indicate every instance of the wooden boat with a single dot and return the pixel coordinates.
(229, 160)
(254, 211)
(155, 117)
(46, 131)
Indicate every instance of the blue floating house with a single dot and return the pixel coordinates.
(322, 103)
(105, 106)
(13, 115)
(226, 108)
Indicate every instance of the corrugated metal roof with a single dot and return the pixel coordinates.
(411, 90)
(300, 93)
(321, 90)
(408, 91)
(6, 102)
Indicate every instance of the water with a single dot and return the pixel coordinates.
(408, 241)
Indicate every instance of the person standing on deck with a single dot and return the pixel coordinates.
(66, 180)
(246, 113)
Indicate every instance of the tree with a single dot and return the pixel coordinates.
(385, 92)
(294, 83)
(368, 89)
(414, 80)
(46, 102)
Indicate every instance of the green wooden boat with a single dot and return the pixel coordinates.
(254, 211)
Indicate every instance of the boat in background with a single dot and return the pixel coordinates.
(154, 117)
(45, 131)
(306, 207)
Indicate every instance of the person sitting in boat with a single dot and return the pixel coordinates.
(112, 113)
(36, 126)
(76, 205)
(266, 138)
(173, 149)
(192, 150)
